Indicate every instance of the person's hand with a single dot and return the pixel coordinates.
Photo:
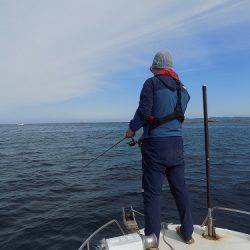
(129, 133)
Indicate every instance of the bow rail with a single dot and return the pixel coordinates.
(225, 209)
(86, 243)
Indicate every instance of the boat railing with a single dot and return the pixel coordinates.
(86, 243)
(212, 210)
(225, 209)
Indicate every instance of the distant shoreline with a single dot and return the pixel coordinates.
(219, 120)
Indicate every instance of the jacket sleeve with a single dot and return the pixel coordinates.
(145, 106)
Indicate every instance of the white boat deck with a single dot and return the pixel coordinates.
(170, 240)
(229, 240)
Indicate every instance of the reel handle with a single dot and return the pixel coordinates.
(132, 143)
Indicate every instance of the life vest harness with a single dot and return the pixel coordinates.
(178, 114)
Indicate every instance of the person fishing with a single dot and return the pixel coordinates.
(163, 101)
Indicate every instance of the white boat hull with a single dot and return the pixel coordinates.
(229, 240)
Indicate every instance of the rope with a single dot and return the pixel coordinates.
(137, 212)
(164, 228)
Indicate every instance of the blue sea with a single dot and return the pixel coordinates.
(49, 200)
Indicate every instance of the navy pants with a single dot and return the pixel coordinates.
(161, 158)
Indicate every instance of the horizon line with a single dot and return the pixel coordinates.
(114, 121)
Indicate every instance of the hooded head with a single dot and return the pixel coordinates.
(162, 60)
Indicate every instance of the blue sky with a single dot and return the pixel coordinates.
(76, 61)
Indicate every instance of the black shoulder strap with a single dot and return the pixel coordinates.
(179, 105)
(178, 112)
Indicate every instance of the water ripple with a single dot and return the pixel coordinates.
(51, 200)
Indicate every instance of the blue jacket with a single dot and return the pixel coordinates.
(159, 100)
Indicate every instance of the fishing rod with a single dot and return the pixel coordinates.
(117, 143)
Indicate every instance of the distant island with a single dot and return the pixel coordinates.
(220, 120)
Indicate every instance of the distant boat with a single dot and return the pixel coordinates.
(20, 124)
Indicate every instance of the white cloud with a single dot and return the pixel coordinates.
(55, 50)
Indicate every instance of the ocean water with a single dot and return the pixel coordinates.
(49, 200)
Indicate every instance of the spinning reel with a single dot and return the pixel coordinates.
(132, 143)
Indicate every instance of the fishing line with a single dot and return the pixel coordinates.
(105, 152)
